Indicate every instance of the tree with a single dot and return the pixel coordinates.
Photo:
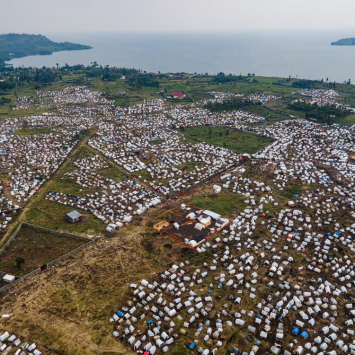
(19, 261)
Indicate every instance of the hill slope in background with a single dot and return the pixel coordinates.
(21, 45)
(344, 42)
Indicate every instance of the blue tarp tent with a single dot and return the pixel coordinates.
(119, 313)
(304, 335)
(192, 346)
(295, 331)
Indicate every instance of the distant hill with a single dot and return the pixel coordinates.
(344, 42)
(16, 46)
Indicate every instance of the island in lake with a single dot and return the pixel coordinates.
(344, 42)
(14, 45)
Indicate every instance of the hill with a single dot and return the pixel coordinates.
(344, 42)
(22, 45)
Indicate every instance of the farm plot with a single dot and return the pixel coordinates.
(33, 248)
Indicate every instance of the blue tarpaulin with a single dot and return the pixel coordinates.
(304, 335)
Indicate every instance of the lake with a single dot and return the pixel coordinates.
(302, 54)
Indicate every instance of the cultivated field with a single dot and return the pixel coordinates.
(37, 248)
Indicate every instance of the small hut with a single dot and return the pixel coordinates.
(73, 216)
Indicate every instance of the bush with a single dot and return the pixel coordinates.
(19, 262)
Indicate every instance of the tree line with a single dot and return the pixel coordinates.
(320, 113)
(230, 105)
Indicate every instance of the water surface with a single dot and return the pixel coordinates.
(305, 54)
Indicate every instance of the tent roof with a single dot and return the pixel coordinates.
(74, 214)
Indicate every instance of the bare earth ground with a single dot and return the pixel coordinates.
(70, 313)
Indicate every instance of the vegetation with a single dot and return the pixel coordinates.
(143, 80)
(304, 84)
(106, 73)
(307, 84)
(32, 248)
(223, 203)
(241, 142)
(14, 45)
(230, 105)
(222, 78)
(323, 114)
(19, 262)
(344, 42)
(266, 112)
(4, 100)
(33, 131)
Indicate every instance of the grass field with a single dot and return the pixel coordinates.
(33, 131)
(223, 203)
(241, 142)
(52, 216)
(267, 113)
(156, 142)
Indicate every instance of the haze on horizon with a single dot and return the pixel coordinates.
(89, 16)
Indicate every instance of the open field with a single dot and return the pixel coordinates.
(267, 113)
(224, 203)
(33, 131)
(37, 248)
(241, 142)
(52, 216)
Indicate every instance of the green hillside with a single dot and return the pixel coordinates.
(21, 45)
